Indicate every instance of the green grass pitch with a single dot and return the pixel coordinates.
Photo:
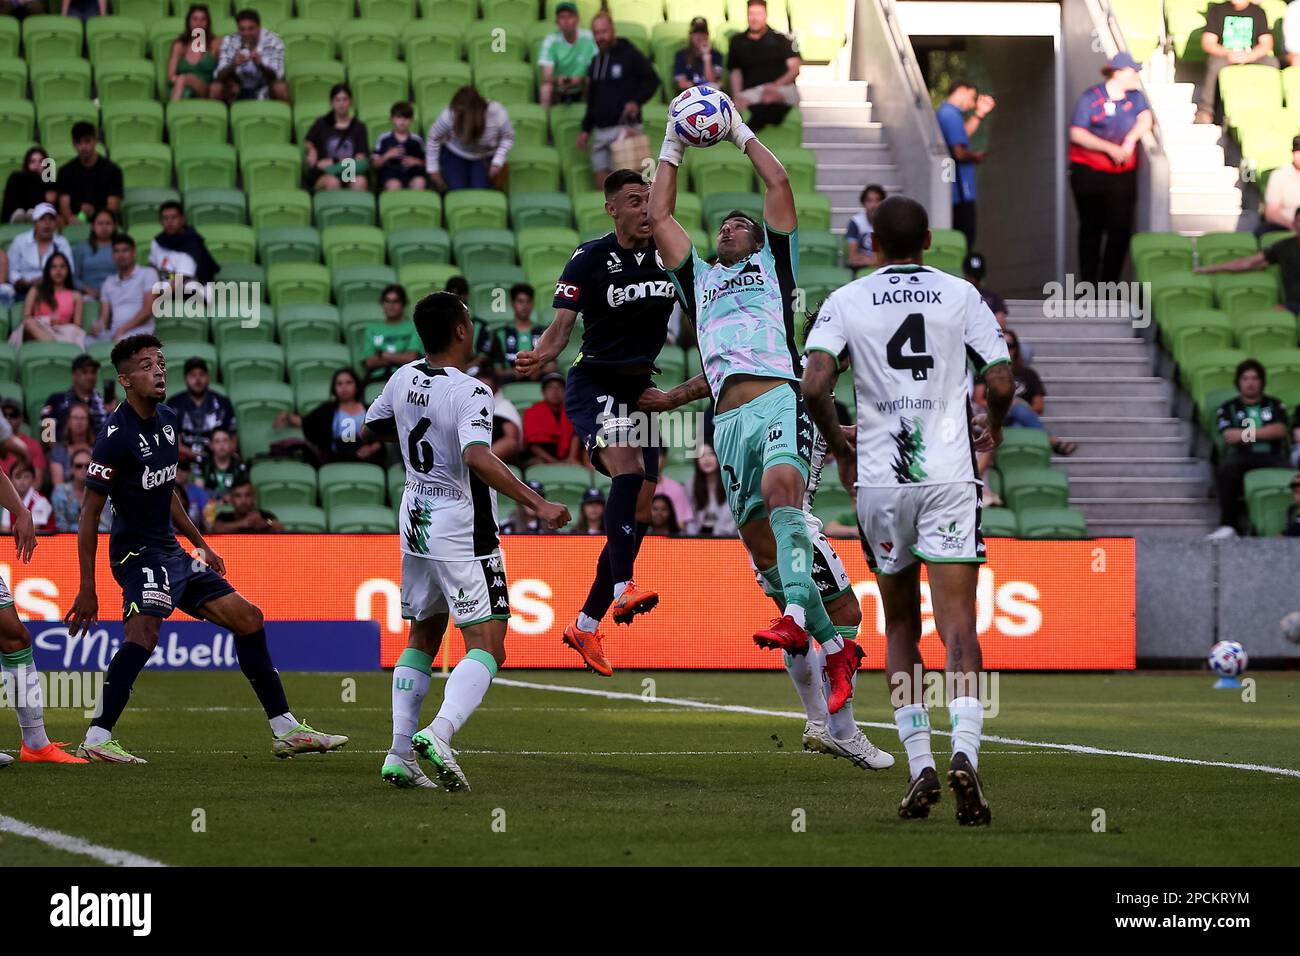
(564, 778)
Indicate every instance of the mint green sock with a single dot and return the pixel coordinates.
(794, 559)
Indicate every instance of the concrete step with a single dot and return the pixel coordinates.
(1194, 156)
(1147, 510)
(1137, 366)
(850, 154)
(849, 91)
(1206, 177)
(1195, 223)
(1172, 113)
(1183, 134)
(1193, 469)
(1127, 487)
(1129, 346)
(1117, 404)
(1130, 447)
(1186, 528)
(859, 132)
(837, 182)
(835, 111)
(1152, 392)
(1193, 199)
(1082, 427)
(1027, 318)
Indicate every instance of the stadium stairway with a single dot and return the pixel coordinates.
(1133, 473)
(851, 149)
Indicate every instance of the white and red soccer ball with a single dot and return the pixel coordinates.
(702, 116)
(1228, 659)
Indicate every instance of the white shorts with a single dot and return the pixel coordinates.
(5, 597)
(828, 570)
(471, 591)
(932, 523)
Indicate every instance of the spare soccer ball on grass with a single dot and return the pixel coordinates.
(1291, 627)
(1228, 659)
(702, 116)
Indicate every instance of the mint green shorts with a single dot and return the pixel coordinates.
(773, 429)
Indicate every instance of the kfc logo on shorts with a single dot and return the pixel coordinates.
(565, 290)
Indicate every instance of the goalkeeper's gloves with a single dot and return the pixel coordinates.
(740, 133)
(673, 149)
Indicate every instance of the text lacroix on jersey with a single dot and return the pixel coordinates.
(910, 331)
(448, 512)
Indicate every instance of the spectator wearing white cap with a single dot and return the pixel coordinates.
(29, 250)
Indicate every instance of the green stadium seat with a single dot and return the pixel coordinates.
(310, 82)
(301, 519)
(18, 121)
(10, 36)
(307, 40)
(312, 366)
(999, 523)
(1195, 330)
(403, 209)
(1023, 448)
(56, 80)
(49, 36)
(401, 12)
(362, 519)
(1027, 488)
(132, 122)
(352, 245)
(1173, 292)
(336, 11)
(489, 290)
(230, 243)
(360, 283)
(309, 324)
(1267, 492)
(1211, 369)
(115, 38)
(242, 272)
(274, 168)
(294, 282)
(344, 207)
(561, 479)
(180, 351)
(544, 252)
(419, 279)
(486, 44)
(430, 41)
(261, 401)
(719, 171)
(1051, 522)
(147, 165)
(146, 11)
(197, 122)
(124, 81)
(377, 86)
(589, 214)
(524, 395)
(717, 205)
(814, 211)
(288, 207)
(252, 362)
(1215, 247)
(819, 249)
(820, 281)
(434, 83)
(534, 169)
(288, 244)
(540, 210)
(800, 166)
(945, 260)
(367, 41)
(504, 81)
(231, 326)
(182, 328)
(1157, 253)
(1239, 292)
(204, 207)
(207, 166)
(260, 123)
(1283, 367)
(530, 125)
(350, 483)
(418, 245)
(1251, 85)
(13, 78)
(1263, 330)
(474, 209)
(1142, 23)
(820, 27)
(483, 247)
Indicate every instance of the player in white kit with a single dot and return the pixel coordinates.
(910, 330)
(452, 564)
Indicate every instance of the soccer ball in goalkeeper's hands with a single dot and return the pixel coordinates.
(702, 116)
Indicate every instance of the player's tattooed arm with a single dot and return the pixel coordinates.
(494, 472)
(181, 519)
(530, 362)
(380, 429)
(656, 400)
(819, 376)
(85, 608)
(999, 393)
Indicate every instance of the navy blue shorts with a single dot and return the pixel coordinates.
(600, 405)
(157, 581)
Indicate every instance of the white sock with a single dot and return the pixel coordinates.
(410, 685)
(284, 724)
(913, 723)
(587, 623)
(466, 687)
(619, 588)
(967, 724)
(97, 735)
(796, 613)
(23, 688)
(807, 672)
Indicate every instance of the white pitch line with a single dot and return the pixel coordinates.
(990, 738)
(72, 844)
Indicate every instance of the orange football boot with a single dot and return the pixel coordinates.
(632, 603)
(50, 753)
(589, 648)
(840, 668)
(783, 634)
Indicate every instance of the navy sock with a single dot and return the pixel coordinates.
(601, 595)
(620, 526)
(255, 662)
(123, 669)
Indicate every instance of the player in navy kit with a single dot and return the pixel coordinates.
(619, 285)
(134, 463)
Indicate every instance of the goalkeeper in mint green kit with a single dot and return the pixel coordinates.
(744, 313)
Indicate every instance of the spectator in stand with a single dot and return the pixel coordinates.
(250, 66)
(764, 64)
(69, 495)
(24, 480)
(548, 433)
(859, 252)
(194, 56)
(674, 490)
(27, 187)
(30, 250)
(564, 57)
(200, 411)
(1282, 195)
(698, 63)
(127, 297)
(18, 9)
(1253, 427)
(973, 270)
(459, 287)
(243, 516)
(52, 309)
(333, 427)
(89, 182)
(1285, 254)
(1236, 31)
(1030, 395)
(712, 515)
(957, 128)
(524, 520)
(591, 513)
(393, 342)
(507, 425)
(1292, 529)
(219, 468)
(83, 10)
(85, 375)
(1295, 439)
(16, 447)
(338, 150)
(620, 81)
(399, 153)
(92, 258)
(194, 497)
(77, 434)
(468, 143)
(1109, 121)
(1291, 33)
(663, 517)
(502, 344)
(178, 253)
